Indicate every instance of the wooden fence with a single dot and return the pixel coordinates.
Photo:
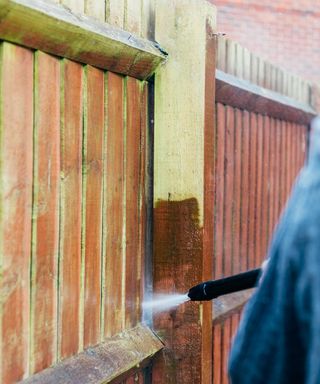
(78, 162)
(258, 155)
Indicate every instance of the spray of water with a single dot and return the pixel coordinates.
(161, 303)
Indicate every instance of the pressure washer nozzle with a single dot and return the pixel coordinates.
(212, 289)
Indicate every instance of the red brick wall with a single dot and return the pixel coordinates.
(285, 32)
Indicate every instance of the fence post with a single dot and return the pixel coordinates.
(183, 185)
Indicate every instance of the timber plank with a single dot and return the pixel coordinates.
(242, 94)
(258, 230)
(115, 179)
(225, 350)
(272, 177)
(45, 211)
(116, 12)
(237, 227)
(229, 195)
(132, 18)
(245, 190)
(219, 196)
(95, 9)
(265, 186)
(217, 353)
(277, 168)
(70, 205)
(144, 180)
(53, 29)
(16, 146)
(133, 158)
(109, 362)
(253, 190)
(93, 172)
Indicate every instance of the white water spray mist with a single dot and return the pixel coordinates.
(162, 302)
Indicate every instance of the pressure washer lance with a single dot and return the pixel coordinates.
(212, 289)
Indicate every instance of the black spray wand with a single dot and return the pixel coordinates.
(212, 289)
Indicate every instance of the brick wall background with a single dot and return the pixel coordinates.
(285, 32)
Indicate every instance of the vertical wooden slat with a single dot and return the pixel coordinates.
(272, 173)
(231, 57)
(288, 165)
(115, 12)
(283, 170)
(45, 211)
(221, 53)
(147, 19)
(92, 162)
(237, 221)
(132, 21)
(70, 203)
(245, 190)
(246, 64)
(16, 125)
(225, 351)
(259, 226)
(228, 194)
(265, 186)
(217, 354)
(114, 299)
(132, 201)
(253, 189)
(95, 8)
(144, 180)
(219, 196)
(277, 169)
(239, 61)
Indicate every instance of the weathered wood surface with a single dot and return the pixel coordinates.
(106, 363)
(16, 167)
(236, 60)
(184, 124)
(45, 244)
(93, 151)
(70, 203)
(132, 163)
(244, 95)
(53, 29)
(115, 209)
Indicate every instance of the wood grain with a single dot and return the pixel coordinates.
(70, 203)
(219, 195)
(133, 158)
(45, 212)
(115, 181)
(16, 82)
(93, 172)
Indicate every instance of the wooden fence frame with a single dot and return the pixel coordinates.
(84, 40)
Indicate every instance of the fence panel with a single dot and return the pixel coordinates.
(268, 164)
(73, 176)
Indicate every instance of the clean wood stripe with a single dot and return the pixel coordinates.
(244, 95)
(54, 29)
(127, 352)
(132, 163)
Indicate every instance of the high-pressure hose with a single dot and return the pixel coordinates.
(212, 289)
